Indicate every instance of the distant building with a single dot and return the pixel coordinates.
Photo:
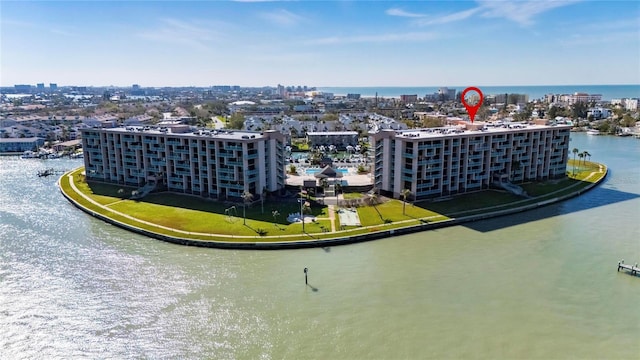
(353, 96)
(341, 139)
(408, 99)
(581, 97)
(446, 94)
(18, 145)
(631, 104)
(40, 87)
(598, 113)
(511, 98)
(53, 86)
(22, 88)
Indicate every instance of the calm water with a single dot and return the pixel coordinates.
(541, 284)
(608, 92)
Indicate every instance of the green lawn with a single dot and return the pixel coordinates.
(470, 201)
(167, 211)
(392, 210)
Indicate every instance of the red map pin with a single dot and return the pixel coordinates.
(472, 109)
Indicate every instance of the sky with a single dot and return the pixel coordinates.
(319, 43)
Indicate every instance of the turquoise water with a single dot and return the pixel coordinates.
(536, 285)
(315, 171)
(608, 92)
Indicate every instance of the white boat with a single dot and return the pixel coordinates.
(593, 132)
(29, 155)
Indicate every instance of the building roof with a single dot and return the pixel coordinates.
(208, 133)
(20, 140)
(328, 172)
(332, 133)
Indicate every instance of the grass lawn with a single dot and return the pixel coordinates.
(392, 210)
(193, 214)
(212, 220)
(471, 201)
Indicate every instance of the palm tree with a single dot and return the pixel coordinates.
(586, 155)
(581, 156)
(246, 197)
(575, 151)
(275, 214)
(373, 198)
(404, 193)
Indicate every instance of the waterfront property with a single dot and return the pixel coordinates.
(214, 164)
(445, 161)
(340, 139)
(18, 145)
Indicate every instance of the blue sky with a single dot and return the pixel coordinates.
(320, 43)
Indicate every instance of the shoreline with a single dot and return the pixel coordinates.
(333, 241)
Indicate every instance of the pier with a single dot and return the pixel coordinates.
(634, 269)
(51, 171)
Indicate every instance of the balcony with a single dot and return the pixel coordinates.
(177, 157)
(228, 177)
(233, 147)
(182, 171)
(234, 162)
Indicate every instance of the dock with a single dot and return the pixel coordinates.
(47, 172)
(634, 269)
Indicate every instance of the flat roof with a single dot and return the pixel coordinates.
(208, 133)
(332, 133)
(19, 140)
(454, 131)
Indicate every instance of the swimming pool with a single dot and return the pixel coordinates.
(315, 171)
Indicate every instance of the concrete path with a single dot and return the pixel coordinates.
(332, 217)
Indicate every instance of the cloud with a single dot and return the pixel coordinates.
(282, 17)
(402, 13)
(460, 15)
(521, 12)
(378, 38)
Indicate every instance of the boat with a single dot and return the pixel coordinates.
(29, 155)
(45, 172)
(593, 132)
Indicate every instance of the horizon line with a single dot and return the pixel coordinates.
(324, 86)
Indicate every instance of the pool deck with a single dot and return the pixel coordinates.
(351, 180)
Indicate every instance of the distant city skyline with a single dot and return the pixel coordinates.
(323, 44)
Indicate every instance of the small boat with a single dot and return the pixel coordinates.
(45, 172)
(593, 132)
(29, 155)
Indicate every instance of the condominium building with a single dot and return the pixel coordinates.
(444, 161)
(212, 163)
